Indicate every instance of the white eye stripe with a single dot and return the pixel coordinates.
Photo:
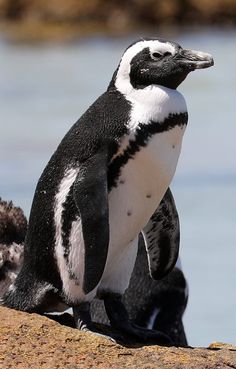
(162, 47)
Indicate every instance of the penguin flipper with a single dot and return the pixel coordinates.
(91, 197)
(162, 236)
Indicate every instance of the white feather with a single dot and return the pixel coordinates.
(154, 103)
(119, 267)
(76, 255)
(71, 286)
(152, 318)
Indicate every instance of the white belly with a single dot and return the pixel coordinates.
(140, 188)
(142, 184)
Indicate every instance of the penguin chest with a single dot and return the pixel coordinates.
(141, 184)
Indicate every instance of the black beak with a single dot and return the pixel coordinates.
(193, 59)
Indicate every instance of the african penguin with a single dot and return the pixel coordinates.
(101, 188)
(13, 225)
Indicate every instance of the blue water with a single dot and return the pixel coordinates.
(45, 88)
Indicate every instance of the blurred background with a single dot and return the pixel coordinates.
(57, 56)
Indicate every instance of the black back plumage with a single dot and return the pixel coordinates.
(104, 121)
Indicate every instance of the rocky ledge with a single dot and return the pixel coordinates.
(32, 341)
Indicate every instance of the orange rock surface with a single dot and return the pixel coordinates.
(32, 341)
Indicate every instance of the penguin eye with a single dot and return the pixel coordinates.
(157, 55)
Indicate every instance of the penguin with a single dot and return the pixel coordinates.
(11, 259)
(102, 187)
(13, 225)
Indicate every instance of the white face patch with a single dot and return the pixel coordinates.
(122, 79)
(154, 102)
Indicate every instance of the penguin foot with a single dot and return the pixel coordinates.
(84, 323)
(119, 320)
(93, 329)
(145, 335)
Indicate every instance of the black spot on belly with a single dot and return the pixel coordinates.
(149, 195)
(122, 181)
(129, 213)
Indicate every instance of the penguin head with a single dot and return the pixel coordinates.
(157, 62)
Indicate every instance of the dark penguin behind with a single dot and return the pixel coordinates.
(13, 226)
(156, 305)
(152, 304)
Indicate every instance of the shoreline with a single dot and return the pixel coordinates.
(68, 20)
(37, 32)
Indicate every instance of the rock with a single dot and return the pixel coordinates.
(33, 341)
(13, 225)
